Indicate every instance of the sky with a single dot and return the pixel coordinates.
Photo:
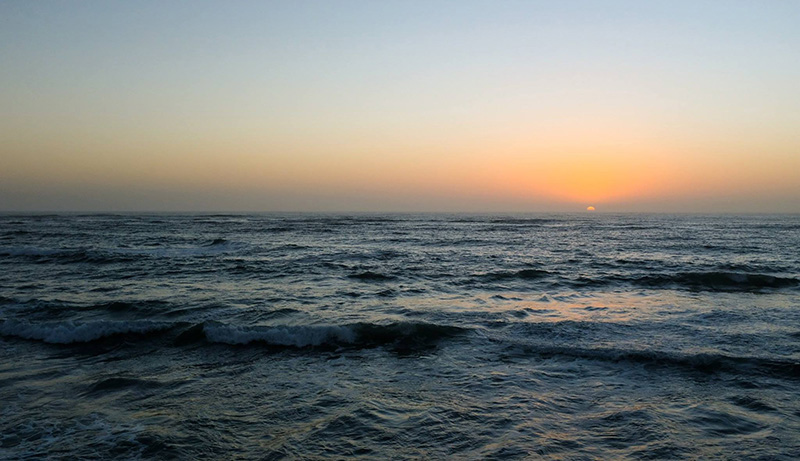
(461, 106)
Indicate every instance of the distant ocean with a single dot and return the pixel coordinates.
(394, 336)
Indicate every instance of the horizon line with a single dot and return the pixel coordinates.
(365, 212)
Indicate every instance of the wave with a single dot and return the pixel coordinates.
(295, 336)
(66, 256)
(719, 362)
(280, 229)
(326, 222)
(369, 275)
(703, 362)
(117, 255)
(128, 306)
(16, 232)
(710, 362)
(524, 221)
(501, 220)
(718, 281)
(213, 248)
(524, 274)
(69, 332)
(722, 281)
(399, 335)
(50, 308)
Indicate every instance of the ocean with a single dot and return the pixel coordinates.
(400, 336)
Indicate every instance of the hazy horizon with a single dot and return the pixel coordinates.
(440, 106)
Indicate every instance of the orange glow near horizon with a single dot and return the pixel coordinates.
(432, 173)
(596, 176)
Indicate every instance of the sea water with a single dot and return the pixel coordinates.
(395, 336)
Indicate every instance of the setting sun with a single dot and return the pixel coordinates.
(589, 208)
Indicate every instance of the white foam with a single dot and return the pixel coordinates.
(298, 336)
(72, 332)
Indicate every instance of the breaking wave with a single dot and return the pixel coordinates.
(69, 332)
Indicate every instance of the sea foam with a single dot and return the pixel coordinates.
(73, 332)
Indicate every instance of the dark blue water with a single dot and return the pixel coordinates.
(304, 336)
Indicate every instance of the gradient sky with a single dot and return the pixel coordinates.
(400, 106)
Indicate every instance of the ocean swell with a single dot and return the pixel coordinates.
(72, 332)
(294, 336)
(400, 335)
(723, 281)
(718, 281)
(702, 362)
